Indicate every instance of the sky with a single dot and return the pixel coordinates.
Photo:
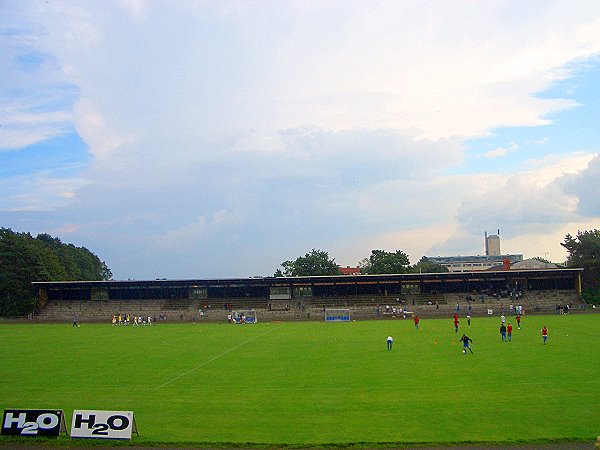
(217, 139)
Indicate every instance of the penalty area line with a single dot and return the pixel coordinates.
(214, 358)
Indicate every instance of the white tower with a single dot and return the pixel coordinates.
(492, 244)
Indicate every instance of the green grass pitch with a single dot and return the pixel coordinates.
(316, 383)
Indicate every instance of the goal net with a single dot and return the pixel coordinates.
(244, 316)
(337, 315)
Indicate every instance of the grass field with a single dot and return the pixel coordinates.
(311, 384)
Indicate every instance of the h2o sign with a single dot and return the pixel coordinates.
(33, 422)
(103, 424)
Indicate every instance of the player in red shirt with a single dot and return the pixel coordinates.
(518, 321)
(456, 324)
(545, 334)
(416, 319)
(509, 332)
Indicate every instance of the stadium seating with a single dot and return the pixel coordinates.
(307, 308)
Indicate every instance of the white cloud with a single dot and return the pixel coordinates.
(545, 242)
(93, 127)
(501, 151)
(584, 185)
(40, 193)
(35, 99)
(187, 235)
(231, 130)
(416, 242)
(318, 66)
(533, 202)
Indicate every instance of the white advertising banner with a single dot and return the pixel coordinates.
(103, 424)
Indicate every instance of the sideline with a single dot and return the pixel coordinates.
(549, 446)
(187, 372)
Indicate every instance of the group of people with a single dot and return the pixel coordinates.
(456, 322)
(238, 318)
(505, 331)
(125, 319)
(393, 311)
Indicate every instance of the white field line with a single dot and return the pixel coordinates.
(433, 388)
(183, 374)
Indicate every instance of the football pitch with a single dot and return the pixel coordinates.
(302, 384)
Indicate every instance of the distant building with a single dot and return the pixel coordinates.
(534, 264)
(473, 263)
(492, 258)
(349, 270)
(492, 244)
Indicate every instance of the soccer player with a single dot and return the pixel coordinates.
(75, 324)
(456, 324)
(545, 334)
(390, 341)
(509, 332)
(416, 319)
(503, 332)
(518, 321)
(469, 320)
(465, 340)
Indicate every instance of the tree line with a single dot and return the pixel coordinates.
(24, 259)
(317, 262)
(583, 252)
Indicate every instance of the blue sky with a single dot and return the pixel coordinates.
(217, 139)
(575, 128)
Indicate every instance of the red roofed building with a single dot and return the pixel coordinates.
(350, 270)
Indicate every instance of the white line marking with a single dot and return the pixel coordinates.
(187, 372)
(432, 387)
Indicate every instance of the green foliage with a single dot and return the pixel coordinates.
(381, 262)
(427, 266)
(316, 262)
(584, 252)
(540, 259)
(24, 259)
(591, 297)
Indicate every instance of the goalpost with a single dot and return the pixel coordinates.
(337, 315)
(244, 316)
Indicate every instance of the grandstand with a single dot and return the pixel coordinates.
(306, 298)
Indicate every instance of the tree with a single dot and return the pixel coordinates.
(316, 262)
(584, 252)
(381, 261)
(24, 259)
(540, 259)
(426, 266)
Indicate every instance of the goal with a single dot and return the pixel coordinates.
(244, 316)
(337, 315)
